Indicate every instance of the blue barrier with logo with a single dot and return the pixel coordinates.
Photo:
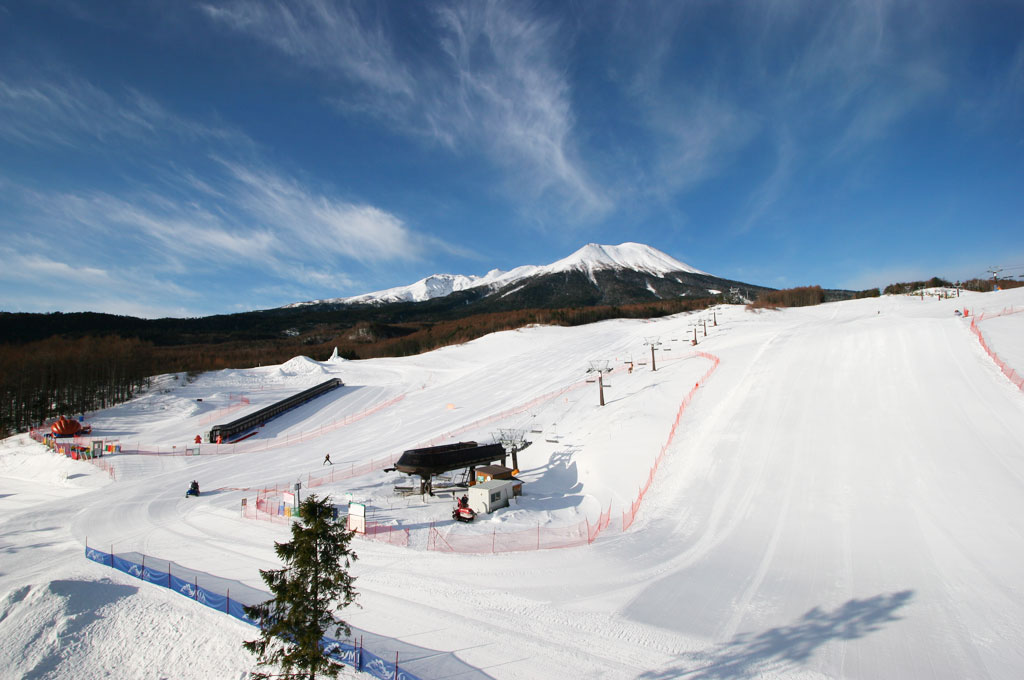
(357, 658)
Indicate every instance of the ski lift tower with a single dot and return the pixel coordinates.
(600, 367)
(513, 440)
(653, 341)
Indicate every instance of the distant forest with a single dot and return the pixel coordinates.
(85, 369)
(814, 295)
(977, 285)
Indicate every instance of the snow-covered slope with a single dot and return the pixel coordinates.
(589, 258)
(842, 499)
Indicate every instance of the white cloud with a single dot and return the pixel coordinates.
(73, 112)
(763, 199)
(255, 217)
(328, 36)
(810, 82)
(861, 70)
(236, 210)
(306, 222)
(510, 90)
(44, 282)
(490, 83)
(42, 270)
(698, 135)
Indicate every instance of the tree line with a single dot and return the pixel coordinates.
(802, 296)
(977, 285)
(42, 380)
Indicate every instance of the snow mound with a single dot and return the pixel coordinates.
(302, 366)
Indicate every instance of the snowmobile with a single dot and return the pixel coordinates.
(193, 489)
(462, 511)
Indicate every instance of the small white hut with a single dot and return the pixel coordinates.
(487, 497)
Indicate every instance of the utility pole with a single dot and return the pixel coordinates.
(599, 367)
(653, 342)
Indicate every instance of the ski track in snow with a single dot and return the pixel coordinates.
(843, 498)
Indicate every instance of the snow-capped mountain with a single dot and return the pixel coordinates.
(635, 256)
(588, 260)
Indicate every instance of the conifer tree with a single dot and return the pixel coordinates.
(308, 591)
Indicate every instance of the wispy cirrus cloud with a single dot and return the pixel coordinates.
(784, 88)
(773, 187)
(867, 66)
(693, 124)
(302, 220)
(217, 199)
(341, 38)
(508, 88)
(73, 112)
(55, 279)
(489, 80)
(261, 218)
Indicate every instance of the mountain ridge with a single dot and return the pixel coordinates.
(610, 277)
(589, 259)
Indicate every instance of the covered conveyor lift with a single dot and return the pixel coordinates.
(253, 420)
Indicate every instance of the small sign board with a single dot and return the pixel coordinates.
(357, 517)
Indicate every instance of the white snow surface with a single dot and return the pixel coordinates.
(844, 498)
(589, 258)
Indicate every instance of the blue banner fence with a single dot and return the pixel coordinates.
(203, 588)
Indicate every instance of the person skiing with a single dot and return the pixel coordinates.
(327, 460)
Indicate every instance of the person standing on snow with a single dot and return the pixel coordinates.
(327, 460)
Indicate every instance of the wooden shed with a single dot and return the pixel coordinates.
(486, 473)
(489, 473)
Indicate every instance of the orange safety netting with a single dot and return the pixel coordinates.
(1007, 370)
(254, 445)
(270, 503)
(341, 471)
(540, 538)
(629, 516)
(235, 402)
(271, 507)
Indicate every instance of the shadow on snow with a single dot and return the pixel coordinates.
(748, 655)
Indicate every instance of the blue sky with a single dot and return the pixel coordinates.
(191, 158)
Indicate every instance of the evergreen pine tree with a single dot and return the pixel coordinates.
(311, 587)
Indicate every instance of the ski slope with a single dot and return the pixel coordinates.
(844, 497)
